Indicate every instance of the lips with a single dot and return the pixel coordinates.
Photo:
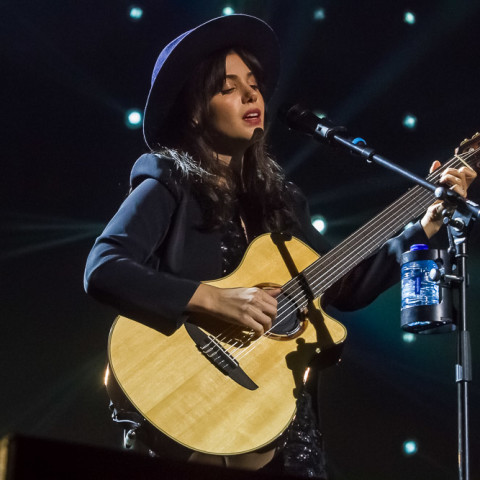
(253, 116)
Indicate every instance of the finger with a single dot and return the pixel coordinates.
(268, 307)
(273, 292)
(257, 320)
(267, 296)
(253, 325)
(460, 172)
(436, 164)
(435, 211)
(456, 182)
(263, 302)
(470, 174)
(263, 319)
(454, 176)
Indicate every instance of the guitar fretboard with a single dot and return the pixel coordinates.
(365, 241)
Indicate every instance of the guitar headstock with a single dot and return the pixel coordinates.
(469, 150)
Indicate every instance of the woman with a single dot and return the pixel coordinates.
(208, 188)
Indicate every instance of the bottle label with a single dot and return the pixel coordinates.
(417, 287)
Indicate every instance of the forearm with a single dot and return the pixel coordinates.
(203, 299)
(374, 275)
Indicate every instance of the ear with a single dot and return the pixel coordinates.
(195, 118)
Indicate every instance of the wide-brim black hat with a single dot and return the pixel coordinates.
(179, 57)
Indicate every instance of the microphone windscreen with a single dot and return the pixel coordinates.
(298, 118)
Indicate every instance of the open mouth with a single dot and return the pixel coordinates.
(253, 116)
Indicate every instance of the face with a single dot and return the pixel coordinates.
(238, 109)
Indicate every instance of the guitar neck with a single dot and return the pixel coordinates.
(329, 268)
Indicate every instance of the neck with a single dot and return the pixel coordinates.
(234, 162)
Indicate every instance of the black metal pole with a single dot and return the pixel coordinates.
(464, 365)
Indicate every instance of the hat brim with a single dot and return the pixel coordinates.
(233, 30)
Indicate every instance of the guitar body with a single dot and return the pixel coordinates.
(178, 390)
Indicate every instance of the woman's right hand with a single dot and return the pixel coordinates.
(252, 308)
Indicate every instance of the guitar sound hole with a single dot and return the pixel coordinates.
(288, 316)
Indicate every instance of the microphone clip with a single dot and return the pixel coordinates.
(327, 132)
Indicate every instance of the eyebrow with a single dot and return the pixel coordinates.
(233, 77)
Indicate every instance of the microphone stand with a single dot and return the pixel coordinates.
(463, 371)
(459, 222)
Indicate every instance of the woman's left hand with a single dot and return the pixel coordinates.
(459, 181)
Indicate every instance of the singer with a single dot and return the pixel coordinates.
(203, 193)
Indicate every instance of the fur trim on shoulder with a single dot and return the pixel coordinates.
(183, 161)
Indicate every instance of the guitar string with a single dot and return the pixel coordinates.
(294, 291)
(423, 197)
(323, 272)
(290, 289)
(282, 312)
(328, 266)
(290, 305)
(297, 293)
(424, 194)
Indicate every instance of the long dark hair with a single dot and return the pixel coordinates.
(262, 190)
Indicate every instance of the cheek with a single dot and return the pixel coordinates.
(222, 115)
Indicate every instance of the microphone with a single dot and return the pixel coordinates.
(298, 118)
(303, 120)
(257, 134)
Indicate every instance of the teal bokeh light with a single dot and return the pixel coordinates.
(409, 121)
(410, 447)
(319, 223)
(228, 11)
(133, 119)
(409, 17)
(319, 14)
(135, 12)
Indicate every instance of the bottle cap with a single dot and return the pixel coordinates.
(418, 246)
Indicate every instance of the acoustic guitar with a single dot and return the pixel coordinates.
(213, 387)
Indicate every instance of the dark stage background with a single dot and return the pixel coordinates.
(70, 71)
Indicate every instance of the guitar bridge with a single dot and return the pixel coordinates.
(219, 357)
(217, 354)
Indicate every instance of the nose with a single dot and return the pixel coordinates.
(250, 95)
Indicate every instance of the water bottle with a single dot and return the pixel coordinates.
(417, 287)
(426, 303)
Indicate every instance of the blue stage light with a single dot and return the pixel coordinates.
(319, 14)
(228, 11)
(409, 121)
(410, 447)
(133, 119)
(408, 337)
(135, 13)
(319, 223)
(409, 17)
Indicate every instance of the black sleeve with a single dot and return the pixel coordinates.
(374, 275)
(118, 271)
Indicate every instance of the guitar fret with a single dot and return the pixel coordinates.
(329, 268)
